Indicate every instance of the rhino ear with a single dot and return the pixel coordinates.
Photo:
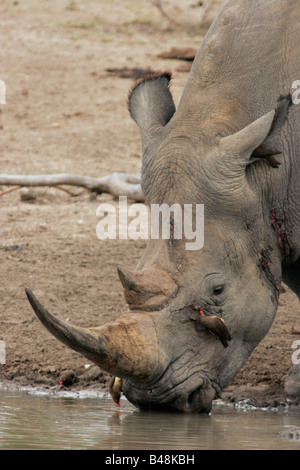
(151, 104)
(247, 140)
(250, 142)
(281, 112)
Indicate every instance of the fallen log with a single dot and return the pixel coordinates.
(132, 72)
(180, 53)
(116, 184)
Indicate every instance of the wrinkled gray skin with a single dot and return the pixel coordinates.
(202, 153)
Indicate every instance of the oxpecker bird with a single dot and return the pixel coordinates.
(115, 389)
(216, 325)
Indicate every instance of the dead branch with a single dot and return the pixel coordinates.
(295, 332)
(180, 53)
(158, 5)
(132, 72)
(205, 8)
(66, 191)
(9, 190)
(116, 184)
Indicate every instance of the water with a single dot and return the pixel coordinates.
(67, 421)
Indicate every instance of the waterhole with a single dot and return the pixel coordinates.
(32, 420)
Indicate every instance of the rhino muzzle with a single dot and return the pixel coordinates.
(185, 397)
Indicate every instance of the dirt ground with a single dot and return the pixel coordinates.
(66, 114)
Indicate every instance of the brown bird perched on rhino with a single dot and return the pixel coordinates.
(217, 326)
(115, 389)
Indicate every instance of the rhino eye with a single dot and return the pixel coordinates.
(218, 290)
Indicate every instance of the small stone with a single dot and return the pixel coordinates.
(28, 197)
(93, 373)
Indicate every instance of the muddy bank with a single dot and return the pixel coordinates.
(66, 114)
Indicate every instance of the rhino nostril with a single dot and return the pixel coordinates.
(192, 396)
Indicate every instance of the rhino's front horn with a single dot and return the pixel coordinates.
(127, 348)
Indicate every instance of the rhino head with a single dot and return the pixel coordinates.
(163, 348)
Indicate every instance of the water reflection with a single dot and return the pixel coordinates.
(37, 421)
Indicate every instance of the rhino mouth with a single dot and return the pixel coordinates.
(182, 398)
(198, 401)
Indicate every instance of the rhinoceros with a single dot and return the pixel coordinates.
(232, 145)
